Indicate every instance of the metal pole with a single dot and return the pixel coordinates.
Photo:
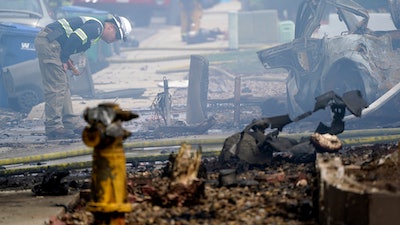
(236, 114)
(167, 103)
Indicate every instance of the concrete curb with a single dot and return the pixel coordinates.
(22, 207)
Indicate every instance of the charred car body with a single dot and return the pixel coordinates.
(359, 59)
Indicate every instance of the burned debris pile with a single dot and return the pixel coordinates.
(281, 193)
(52, 184)
(360, 186)
(180, 184)
(284, 192)
(381, 170)
(257, 178)
(253, 146)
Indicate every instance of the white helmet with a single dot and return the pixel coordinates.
(123, 25)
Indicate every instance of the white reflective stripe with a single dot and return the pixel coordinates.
(82, 35)
(64, 23)
(87, 18)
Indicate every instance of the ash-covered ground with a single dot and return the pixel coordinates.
(284, 192)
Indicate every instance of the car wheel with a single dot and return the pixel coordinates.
(342, 84)
(394, 6)
(26, 99)
(344, 76)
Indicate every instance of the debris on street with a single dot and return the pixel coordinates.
(52, 184)
(180, 185)
(230, 196)
(204, 35)
(363, 192)
(326, 142)
(253, 146)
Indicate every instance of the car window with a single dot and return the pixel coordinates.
(27, 5)
(30, 12)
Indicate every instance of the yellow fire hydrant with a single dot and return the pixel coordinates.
(109, 197)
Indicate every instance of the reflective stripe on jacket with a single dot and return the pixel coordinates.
(76, 34)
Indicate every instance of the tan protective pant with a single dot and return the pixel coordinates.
(190, 19)
(57, 95)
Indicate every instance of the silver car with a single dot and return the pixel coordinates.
(35, 13)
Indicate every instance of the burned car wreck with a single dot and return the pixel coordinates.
(359, 59)
(351, 73)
